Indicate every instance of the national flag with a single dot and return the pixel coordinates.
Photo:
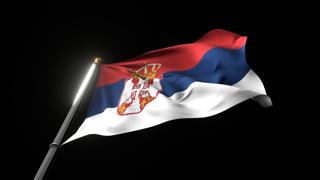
(193, 80)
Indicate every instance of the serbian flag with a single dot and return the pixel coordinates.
(193, 80)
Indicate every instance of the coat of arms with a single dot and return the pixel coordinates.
(142, 88)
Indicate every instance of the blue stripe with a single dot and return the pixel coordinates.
(105, 97)
(218, 65)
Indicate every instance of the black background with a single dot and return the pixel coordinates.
(51, 47)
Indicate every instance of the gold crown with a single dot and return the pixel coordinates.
(148, 71)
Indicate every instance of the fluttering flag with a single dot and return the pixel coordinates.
(193, 80)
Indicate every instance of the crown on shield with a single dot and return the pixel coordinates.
(147, 72)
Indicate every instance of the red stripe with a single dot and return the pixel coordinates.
(175, 58)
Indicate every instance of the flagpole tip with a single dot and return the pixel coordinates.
(97, 60)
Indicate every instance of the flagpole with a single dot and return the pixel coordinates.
(53, 147)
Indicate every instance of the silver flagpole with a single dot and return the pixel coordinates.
(57, 141)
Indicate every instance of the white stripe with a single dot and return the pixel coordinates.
(198, 100)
